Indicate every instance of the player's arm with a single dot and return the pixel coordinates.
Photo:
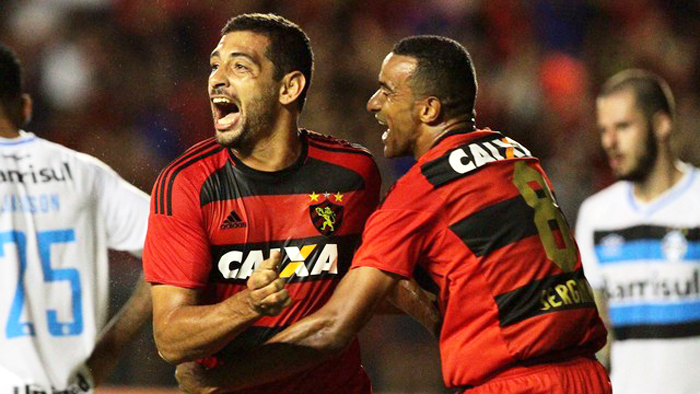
(304, 344)
(591, 266)
(601, 302)
(119, 332)
(185, 330)
(410, 298)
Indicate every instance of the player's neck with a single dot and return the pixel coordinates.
(431, 134)
(276, 150)
(7, 129)
(662, 177)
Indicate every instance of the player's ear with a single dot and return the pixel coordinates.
(662, 124)
(27, 108)
(429, 109)
(291, 87)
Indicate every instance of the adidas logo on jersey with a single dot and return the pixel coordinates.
(232, 221)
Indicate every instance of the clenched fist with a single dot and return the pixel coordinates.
(267, 293)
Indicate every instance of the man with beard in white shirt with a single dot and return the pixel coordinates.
(640, 241)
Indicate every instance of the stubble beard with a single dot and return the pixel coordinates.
(645, 163)
(258, 120)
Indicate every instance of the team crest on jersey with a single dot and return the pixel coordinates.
(326, 217)
(674, 245)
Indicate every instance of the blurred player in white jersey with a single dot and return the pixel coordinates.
(640, 241)
(60, 211)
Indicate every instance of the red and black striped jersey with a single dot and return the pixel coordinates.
(477, 212)
(214, 219)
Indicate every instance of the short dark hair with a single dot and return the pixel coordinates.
(651, 92)
(444, 70)
(11, 84)
(289, 49)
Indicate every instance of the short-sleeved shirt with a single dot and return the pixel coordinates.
(646, 257)
(214, 220)
(477, 212)
(60, 212)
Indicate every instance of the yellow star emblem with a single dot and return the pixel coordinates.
(338, 197)
(314, 196)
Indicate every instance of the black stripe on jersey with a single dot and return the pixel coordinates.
(439, 172)
(351, 149)
(324, 251)
(171, 183)
(496, 226)
(551, 294)
(160, 190)
(314, 176)
(249, 339)
(647, 232)
(666, 331)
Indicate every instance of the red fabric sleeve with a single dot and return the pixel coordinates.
(394, 240)
(177, 246)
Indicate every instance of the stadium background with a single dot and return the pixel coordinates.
(125, 80)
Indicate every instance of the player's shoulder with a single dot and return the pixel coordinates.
(329, 143)
(342, 153)
(412, 192)
(475, 154)
(604, 205)
(78, 161)
(190, 162)
(693, 174)
(604, 197)
(187, 173)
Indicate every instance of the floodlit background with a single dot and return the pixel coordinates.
(125, 80)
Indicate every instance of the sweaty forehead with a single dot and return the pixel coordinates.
(245, 42)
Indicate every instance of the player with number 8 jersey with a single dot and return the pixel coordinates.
(478, 213)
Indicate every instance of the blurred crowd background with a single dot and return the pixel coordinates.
(126, 81)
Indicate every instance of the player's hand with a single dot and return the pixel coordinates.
(191, 378)
(267, 293)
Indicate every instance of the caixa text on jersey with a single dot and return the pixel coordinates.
(307, 262)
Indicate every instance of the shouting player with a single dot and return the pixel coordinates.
(60, 211)
(478, 213)
(261, 186)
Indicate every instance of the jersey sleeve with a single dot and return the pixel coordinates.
(584, 238)
(394, 239)
(177, 246)
(124, 209)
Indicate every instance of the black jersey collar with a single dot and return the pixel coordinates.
(274, 175)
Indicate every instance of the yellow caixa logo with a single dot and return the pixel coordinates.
(300, 262)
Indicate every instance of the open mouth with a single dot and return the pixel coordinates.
(226, 112)
(383, 123)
